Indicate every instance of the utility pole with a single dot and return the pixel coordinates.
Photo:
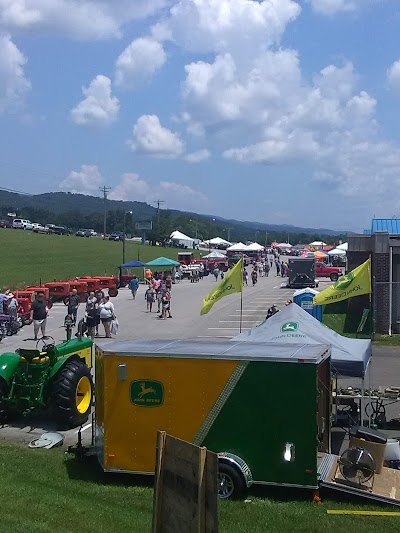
(105, 190)
(266, 239)
(158, 203)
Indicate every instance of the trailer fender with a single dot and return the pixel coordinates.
(8, 365)
(61, 362)
(239, 464)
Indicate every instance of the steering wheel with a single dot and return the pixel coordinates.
(45, 344)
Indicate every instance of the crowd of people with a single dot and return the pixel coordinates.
(158, 291)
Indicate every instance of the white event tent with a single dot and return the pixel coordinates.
(318, 243)
(343, 246)
(284, 245)
(337, 251)
(217, 241)
(183, 239)
(255, 247)
(215, 255)
(238, 247)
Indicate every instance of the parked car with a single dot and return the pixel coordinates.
(39, 228)
(20, 223)
(58, 230)
(84, 233)
(116, 236)
(325, 271)
(5, 224)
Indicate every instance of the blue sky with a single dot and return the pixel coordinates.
(277, 111)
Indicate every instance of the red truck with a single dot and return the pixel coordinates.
(324, 271)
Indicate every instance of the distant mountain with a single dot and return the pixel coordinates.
(61, 202)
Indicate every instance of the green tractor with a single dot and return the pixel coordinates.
(51, 376)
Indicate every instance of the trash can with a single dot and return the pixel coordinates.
(304, 298)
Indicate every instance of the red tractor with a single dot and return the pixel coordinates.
(105, 282)
(58, 290)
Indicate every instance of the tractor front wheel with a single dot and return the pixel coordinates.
(72, 394)
(112, 293)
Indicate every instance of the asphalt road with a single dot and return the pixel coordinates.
(223, 321)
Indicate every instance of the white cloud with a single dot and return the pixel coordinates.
(176, 195)
(220, 25)
(393, 75)
(331, 7)
(78, 19)
(138, 62)
(198, 157)
(180, 196)
(13, 83)
(131, 187)
(151, 138)
(86, 181)
(99, 107)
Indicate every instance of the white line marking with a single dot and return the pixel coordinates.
(85, 428)
(393, 493)
(238, 316)
(229, 328)
(214, 337)
(238, 321)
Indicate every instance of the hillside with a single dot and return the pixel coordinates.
(61, 202)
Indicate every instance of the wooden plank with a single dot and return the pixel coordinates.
(365, 513)
(185, 497)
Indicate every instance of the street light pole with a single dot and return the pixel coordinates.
(124, 236)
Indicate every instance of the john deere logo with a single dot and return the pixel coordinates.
(147, 393)
(344, 281)
(289, 326)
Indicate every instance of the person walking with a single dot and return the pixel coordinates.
(39, 314)
(149, 296)
(12, 306)
(245, 276)
(266, 269)
(254, 277)
(73, 305)
(216, 273)
(166, 305)
(134, 285)
(278, 267)
(107, 315)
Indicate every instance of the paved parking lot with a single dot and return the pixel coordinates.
(223, 321)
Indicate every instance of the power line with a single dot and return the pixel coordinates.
(105, 190)
(16, 192)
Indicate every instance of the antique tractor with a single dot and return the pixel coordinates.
(54, 377)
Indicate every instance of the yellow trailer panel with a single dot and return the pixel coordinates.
(130, 391)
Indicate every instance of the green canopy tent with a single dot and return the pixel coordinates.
(163, 262)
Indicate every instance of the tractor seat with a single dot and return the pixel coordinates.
(33, 356)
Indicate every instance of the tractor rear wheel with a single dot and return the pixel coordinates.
(112, 293)
(3, 406)
(72, 393)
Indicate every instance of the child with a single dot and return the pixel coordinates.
(149, 297)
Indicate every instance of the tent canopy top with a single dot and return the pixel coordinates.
(133, 264)
(350, 357)
(217, 240)
(215, 255)
(238, 247)
(162, 262)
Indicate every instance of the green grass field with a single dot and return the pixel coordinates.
(42, 491)
(28, 257)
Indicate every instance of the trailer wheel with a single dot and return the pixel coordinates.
(72, 393)
(49, 303)
(334, 276)
(231, 485)
(4, 414)
(112, 293)
(66, 300)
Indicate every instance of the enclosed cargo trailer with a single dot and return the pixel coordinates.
(264, 408)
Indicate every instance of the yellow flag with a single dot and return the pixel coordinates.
(355, 283)
(232, 282)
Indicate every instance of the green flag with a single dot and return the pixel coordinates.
(232, 282)
(355, 283)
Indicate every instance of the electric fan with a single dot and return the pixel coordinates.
(357, 466)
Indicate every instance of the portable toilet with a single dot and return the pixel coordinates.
(305, 299)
